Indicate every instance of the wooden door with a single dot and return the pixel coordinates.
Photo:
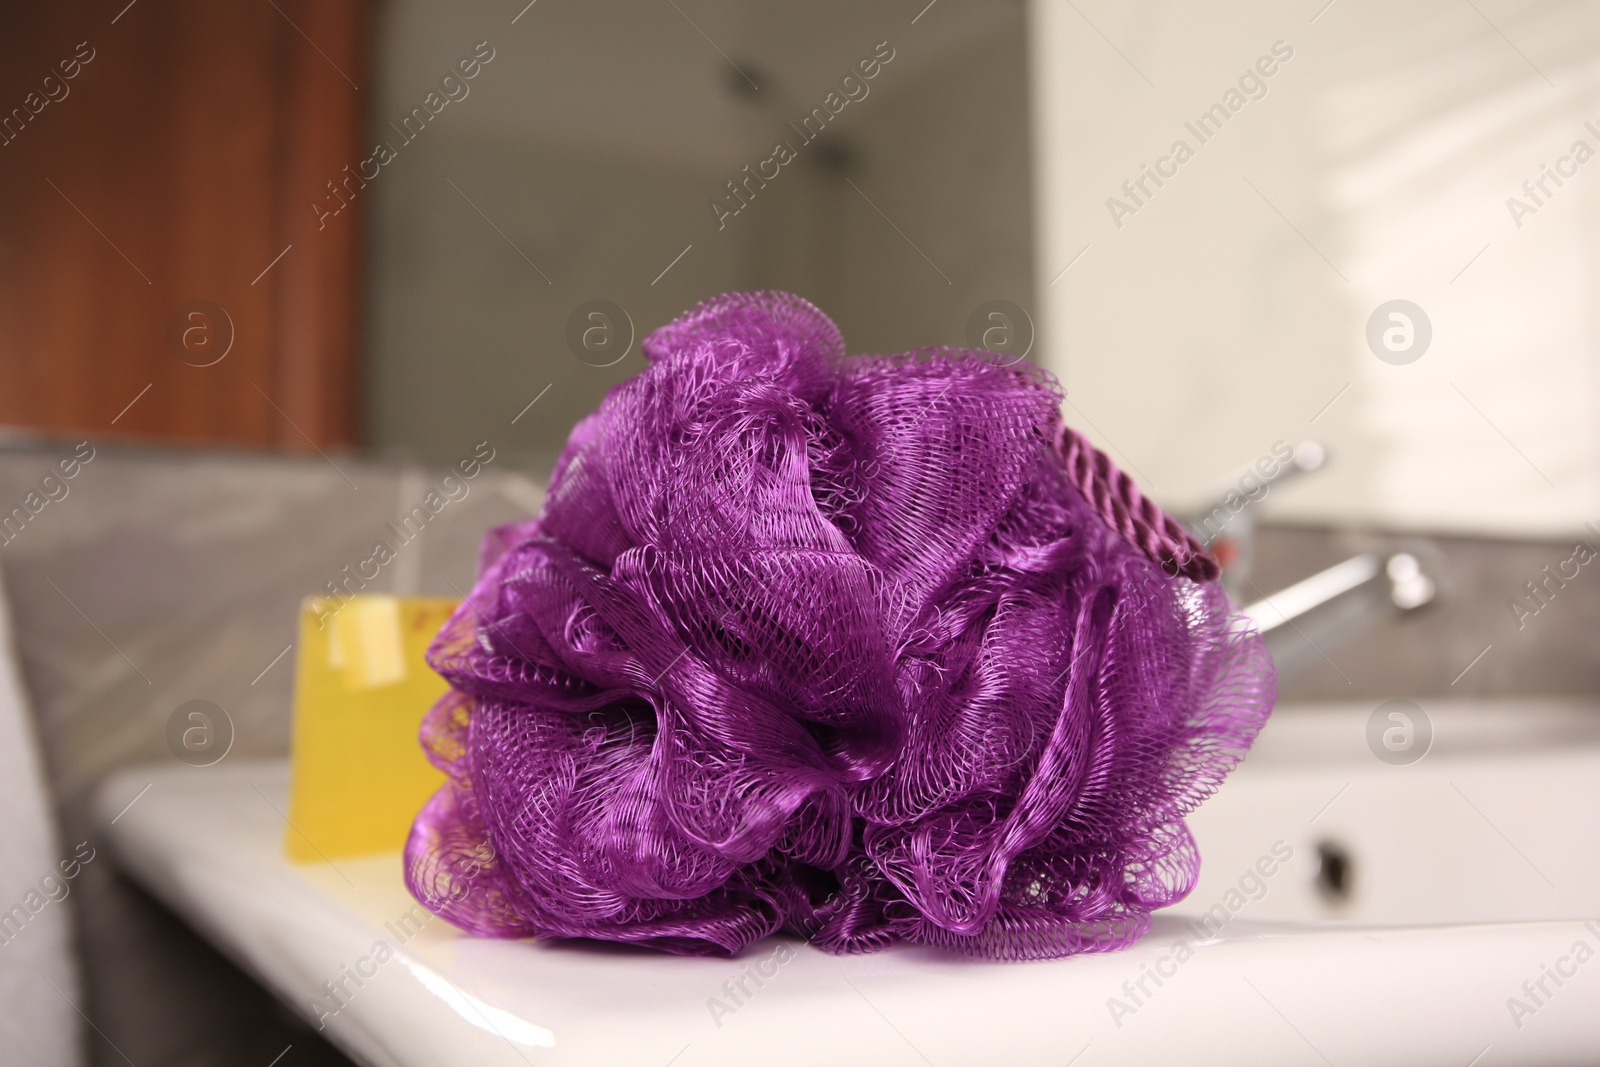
(162, 270)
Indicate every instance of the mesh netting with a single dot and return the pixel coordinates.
(827, 645)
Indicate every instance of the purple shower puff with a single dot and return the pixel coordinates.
(833, 646)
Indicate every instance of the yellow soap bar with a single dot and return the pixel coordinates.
(361, 687)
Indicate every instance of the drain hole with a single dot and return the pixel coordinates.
(1334, 872)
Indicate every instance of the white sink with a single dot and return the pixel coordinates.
(1498, 822)
(1469, 873)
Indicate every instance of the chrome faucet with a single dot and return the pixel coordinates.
(1227, 528)
(1347, 596)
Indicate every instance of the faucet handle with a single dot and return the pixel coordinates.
(1308, 455)
(1211, 523)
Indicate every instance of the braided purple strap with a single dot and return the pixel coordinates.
(1117, 500)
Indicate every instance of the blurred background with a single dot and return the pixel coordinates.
(269, 267)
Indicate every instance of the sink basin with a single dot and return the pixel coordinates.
(1349, 911)
(1491, 824)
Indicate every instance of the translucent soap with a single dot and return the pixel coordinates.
(358, 775)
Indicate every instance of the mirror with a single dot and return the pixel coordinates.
(612, 166)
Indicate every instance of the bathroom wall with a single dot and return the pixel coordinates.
(1229, 275)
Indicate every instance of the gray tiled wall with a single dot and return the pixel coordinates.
(163, 577)
(1469, 642)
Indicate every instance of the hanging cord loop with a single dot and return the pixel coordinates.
(1118, 501)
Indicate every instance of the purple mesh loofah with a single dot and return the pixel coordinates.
(833, 646)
